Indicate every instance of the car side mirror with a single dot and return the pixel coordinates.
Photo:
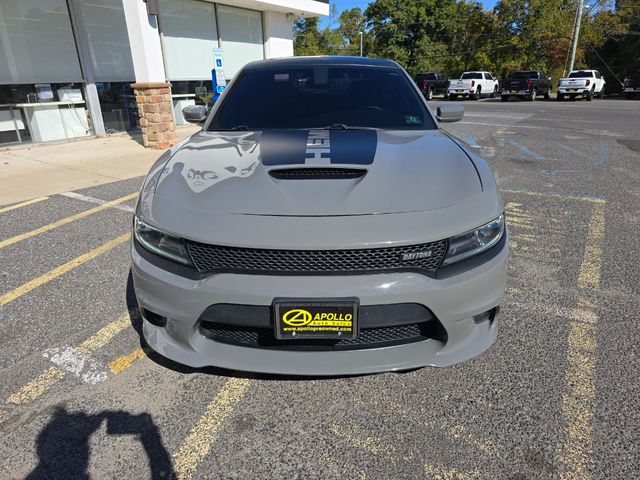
(450, 112)
(195, 113)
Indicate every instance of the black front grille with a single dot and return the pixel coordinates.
(317, 173)
(213, 258)
(368, 338)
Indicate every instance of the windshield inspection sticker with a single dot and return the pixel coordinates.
(412, 120)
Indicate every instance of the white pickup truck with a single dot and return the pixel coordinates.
(473, 85)
(588, 83)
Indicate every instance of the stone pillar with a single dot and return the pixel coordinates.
(156, 114)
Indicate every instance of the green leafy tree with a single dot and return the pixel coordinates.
(307, 37)
(351, 23)
(457, 35)
(415, 33)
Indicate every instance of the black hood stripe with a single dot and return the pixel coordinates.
(318, 147)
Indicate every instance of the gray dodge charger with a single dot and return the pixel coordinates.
(320, 223)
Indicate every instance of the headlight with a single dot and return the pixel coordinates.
(475, 241)
(161, 243)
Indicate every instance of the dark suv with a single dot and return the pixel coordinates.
(526, 84)
(432, 83)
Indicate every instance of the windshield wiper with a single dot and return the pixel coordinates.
(240, 127)
(343, 126)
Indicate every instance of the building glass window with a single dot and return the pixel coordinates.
(241, 37)
(111, 61)
(189, 35)
(41, 86)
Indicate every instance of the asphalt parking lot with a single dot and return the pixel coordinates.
(555, 397)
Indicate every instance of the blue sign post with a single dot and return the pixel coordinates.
(217, 74)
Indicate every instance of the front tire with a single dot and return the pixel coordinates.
(429, 95)
(495, 92)
(560, 97)
(547, 94)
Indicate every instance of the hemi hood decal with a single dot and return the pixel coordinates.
(318, 147)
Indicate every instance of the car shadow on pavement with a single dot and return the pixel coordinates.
(63, 444)
(136, 323)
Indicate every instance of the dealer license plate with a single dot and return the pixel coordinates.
(315, 318)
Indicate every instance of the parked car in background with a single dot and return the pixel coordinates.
(587, 83)
(473, 85)
(631, 86)
(432, 83)
(527, 84)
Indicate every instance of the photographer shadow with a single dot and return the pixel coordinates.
(63, 445)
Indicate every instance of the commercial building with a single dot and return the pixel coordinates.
(73, 68)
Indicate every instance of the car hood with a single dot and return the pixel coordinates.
(232, 173)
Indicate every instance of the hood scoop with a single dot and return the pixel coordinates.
(317, 173)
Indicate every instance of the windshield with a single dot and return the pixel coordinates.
(525, 75)
(473, 75)
(581, 74)
(322, 96)
(426, 76)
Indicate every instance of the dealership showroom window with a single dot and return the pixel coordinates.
(66, 66)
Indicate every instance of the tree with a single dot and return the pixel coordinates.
(351, 23)
(457, 35)
(415, 33)
(307, 37)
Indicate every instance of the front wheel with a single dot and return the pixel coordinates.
(547, 94)
(429, 94)
(495, 92)
(560, 97)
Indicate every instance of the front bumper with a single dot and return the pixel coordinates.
(454, 300)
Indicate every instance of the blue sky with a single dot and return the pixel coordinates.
(346, 4)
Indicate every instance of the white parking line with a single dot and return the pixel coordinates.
(497, 114)
(78, 363)
(504, 126)
(97, 201)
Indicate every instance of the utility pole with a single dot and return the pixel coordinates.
(576, 35)
(360, 34)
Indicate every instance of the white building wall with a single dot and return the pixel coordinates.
(278, 35)
(144, 39)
